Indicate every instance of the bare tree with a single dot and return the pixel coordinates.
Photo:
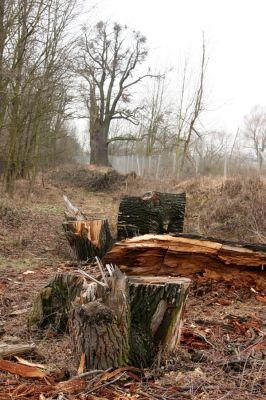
(255, 132)
(110, 56)
(190, 107)
(34, 85)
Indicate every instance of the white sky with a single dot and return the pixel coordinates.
(235, 32)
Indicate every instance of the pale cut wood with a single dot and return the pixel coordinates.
(185, 255)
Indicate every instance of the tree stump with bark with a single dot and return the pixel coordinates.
(51, 307)
(130, 321)
(154, 212)
(88, 238)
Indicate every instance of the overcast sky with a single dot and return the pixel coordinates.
(235, 31)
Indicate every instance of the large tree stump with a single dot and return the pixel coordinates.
(88, 238)
(135, 318)
(154, 212)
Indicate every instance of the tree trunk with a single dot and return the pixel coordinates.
(135, 319)
(154, 212)
(88, 238)
(189, 255)
(98, 145)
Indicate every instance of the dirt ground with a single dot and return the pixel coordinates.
(223, 345)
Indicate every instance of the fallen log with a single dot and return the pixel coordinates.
(186, 255)
(7, 350)
(131, 320)
(154, 212)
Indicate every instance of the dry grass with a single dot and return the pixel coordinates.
(233, 210)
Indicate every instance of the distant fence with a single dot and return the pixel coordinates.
(156, 165)
(164, 165)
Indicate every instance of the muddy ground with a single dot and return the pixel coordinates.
(223, 346)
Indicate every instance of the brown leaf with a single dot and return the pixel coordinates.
(72, 386)
(112, 374)
(262, 299)
(21, 370)
(223, 302)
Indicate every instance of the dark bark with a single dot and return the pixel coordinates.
(154, 212)
(88, 238)
(99, 149)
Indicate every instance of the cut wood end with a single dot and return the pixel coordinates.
(160, 280)
(91, 228)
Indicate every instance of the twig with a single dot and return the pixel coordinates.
(226, 395)
(110, 269)
(90, 277)
(84, 374)
(102, 271)
(106, 384)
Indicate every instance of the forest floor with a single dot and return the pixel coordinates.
(223, 345)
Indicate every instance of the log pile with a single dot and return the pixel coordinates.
(187, 255)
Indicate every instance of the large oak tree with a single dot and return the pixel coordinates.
(110, 56)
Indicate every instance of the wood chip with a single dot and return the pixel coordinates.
(21, 370)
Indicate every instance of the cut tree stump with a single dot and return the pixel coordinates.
(185, 255)
(154, 212)
(88, 238)
(131, 322)
(52, 305)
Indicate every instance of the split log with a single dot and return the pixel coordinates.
(185, 255)
(88, 238)
(52, 305)
(135, 319)
(154, 212)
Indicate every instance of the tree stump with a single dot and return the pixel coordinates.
(52, 305)
(130, 322)
(154, 212)
(88, 238)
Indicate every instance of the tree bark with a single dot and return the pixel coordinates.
(99, 149)
(52, 305)
(188, 255)
(88, 238)
(154, 212)
(135, 319)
